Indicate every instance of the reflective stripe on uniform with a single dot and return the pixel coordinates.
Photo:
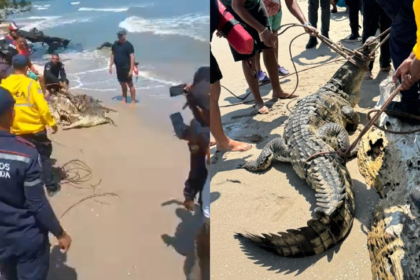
(33, 183)
(15, 157)
(28, 104)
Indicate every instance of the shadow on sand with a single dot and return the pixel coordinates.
(58, 269)
(261, 257)
(184, 237)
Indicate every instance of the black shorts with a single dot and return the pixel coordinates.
(260, 14)
(215, 73)
(122, 75)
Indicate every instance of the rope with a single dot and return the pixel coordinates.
(392, 131)
(339, 48)
(346, 153)
(349, 56)
(77, 172)
(283, 77)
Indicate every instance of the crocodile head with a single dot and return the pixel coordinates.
(349, 77)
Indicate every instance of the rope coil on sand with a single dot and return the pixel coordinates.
(73, 176)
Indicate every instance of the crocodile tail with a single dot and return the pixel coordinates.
(313, 239)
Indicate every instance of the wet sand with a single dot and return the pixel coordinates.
(143, 234)
(278, 199)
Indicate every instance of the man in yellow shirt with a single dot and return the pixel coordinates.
(32, 116)
(409, 70)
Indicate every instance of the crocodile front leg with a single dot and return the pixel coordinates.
(336, 136)
(275, 149)
(352, 118)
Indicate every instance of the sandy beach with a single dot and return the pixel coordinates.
(278, 199)
(143, 234)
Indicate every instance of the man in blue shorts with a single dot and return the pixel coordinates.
(122, 54)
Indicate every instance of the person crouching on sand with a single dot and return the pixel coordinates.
(122, 55)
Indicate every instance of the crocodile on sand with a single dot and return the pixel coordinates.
(78, 110)
(318, 123)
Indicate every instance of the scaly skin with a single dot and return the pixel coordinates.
(317, 124)
(80, 110)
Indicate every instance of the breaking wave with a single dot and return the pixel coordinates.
(191, 25)
(47, 22)
(112, 10)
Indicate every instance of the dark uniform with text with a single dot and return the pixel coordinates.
(26, 216)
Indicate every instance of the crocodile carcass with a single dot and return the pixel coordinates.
(78, 110)
(390, 163)
(318, 124)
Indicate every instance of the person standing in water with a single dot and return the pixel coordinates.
(122, 55)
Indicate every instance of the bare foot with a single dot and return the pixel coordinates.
(234, 146)
(284, 95)
(133, 104)
(124, 101)
(368, 76)
(261, 108)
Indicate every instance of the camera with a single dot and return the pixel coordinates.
(178, 124)
(176, 90)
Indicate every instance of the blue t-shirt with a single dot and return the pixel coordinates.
(122, 53)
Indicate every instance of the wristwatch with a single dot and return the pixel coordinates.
(307, 24)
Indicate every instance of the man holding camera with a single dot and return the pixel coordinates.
(197, 134)
(198, 137)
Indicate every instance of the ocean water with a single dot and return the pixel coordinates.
(170, 39)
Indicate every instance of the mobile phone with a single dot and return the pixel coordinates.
(176, 90)
(178, 124)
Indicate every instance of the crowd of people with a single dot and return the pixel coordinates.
(26, 216)
(262, 23)
(25, 155)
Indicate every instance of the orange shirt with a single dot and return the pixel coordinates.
(23, 49)
(416, 8)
